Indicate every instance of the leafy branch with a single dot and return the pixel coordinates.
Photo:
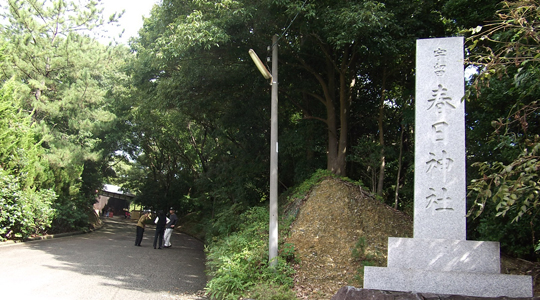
(512, 40)
(514, 185)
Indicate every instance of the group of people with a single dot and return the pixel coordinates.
(164, 228)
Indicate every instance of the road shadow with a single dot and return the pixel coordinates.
(108, 256)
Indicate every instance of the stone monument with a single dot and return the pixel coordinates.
(439, 259)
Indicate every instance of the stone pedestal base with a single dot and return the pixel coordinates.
(438, 266)
(444, 255)
(352, 293)
(470, 284)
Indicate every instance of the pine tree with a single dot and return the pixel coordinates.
(61, 76)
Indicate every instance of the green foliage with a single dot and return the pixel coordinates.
(225, 223)
(503, 118)
(62, 81)
(516, 185)
(460, 12)
(195, 132)
(367, 154)
(215, 148)
(25, 207)
(23, 212)
(360, 254)
(71, 214)
(237, 261)
(506, 199)
(510, 40)
(517, 239)
(266, 291)
(288, 252)
(300, 191)
(20, 153)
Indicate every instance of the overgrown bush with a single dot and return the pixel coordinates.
(225, 223)
(237, 251)
(23, 212)
(265, 291)
(71, 214)
(237, 261)
(303, 188)
(517, 238)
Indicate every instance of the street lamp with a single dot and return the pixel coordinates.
(262, 68)
(273, 232)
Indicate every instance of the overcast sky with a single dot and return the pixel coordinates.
(131, 21)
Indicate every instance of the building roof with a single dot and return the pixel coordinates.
(115, 191)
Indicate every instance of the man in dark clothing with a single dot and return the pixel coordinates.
(160, 221)
(169, 228)
(140, 227)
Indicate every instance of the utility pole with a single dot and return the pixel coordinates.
(273, 233)
(273, 230)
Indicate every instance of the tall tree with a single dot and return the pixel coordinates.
(188, 66)
(356, 54)
(25, 207)
(338, 60)
(61, 76)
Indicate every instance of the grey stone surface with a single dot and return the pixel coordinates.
(439, 259)
(352, 293)
(444, 255)
(439, 177)
(470, 284)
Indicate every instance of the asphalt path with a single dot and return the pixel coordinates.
(104, 264)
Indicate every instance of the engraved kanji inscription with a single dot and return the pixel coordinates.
(438, 200)
(439, 130)
(440, 63)
(440, 99)
(439, 162)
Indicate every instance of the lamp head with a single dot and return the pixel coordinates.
(262, 68)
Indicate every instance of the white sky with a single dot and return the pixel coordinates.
(131, 21)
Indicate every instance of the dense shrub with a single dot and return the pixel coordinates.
(237, 249)
(23, 212)
(237, 261)
(517, 238)
(71, 214)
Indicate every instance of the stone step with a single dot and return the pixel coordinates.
(444, 255)
(467, 284)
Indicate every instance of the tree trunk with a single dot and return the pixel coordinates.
(396, 196)
(332, 123)
(337, 129)
(345, 86)
(381, 136)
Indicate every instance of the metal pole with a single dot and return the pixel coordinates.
(273, 239)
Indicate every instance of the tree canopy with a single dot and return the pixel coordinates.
(60, 77)
(181, 118)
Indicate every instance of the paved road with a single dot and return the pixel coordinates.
(103, 265)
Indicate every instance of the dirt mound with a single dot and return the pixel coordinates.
(339, 229)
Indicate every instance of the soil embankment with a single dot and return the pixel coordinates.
(339, 228)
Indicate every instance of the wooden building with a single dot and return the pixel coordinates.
(112, 199)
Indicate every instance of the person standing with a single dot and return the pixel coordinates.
(140, 227)
(169, 228)
(160, 222)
